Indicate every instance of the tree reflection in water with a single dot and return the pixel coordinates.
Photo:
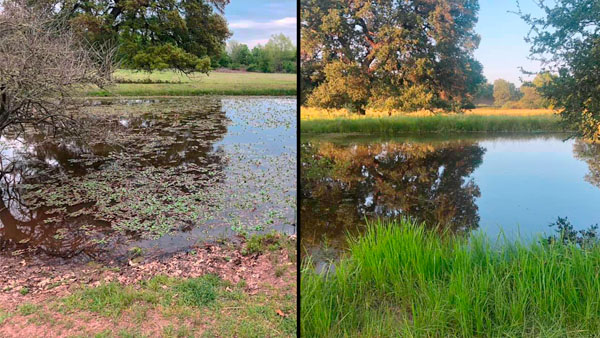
(341, 185)
(36, 165)
(590, 153)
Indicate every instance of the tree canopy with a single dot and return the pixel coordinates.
(151, 34)
(392, 54)
(567, 41)
(504, 91)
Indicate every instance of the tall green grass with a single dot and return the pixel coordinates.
(438, 124)
(400, 279)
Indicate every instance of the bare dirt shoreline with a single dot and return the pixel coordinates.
(46, 281)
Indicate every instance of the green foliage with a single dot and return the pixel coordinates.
(156, 34)
(281, 54)
(389, 54)
(400, 279)
(528, 96)
(278, 55)
(168, 56)
(347, 87)
(567, 40)
(485, 93)
(239, 53)
(504, 92)
(261, 243)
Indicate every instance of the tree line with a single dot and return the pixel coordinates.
(278, 55)
(505, 94)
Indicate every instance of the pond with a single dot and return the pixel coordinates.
(506, 186)
(160, 174)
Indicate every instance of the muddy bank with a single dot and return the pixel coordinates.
(45, 277)
(35, 297)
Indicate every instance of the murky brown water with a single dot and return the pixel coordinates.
(158, 174)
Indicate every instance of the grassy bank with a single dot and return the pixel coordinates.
(169, 83)
(436, 124)
(402, 280)
(312, 113)
(220, 290)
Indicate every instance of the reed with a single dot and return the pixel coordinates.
(436, 124)
(313, 113)
(400, 279)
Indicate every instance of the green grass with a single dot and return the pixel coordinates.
(4, 315)
(199, 84)
(28, 309)
(226, 310)
(261, 243)
(435, 124)
(402, 280)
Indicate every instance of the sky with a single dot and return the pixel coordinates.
(502, 49)
(254, 21)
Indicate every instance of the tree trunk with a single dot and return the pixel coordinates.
(3, 106)
(3, 99)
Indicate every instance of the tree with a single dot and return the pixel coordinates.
(530, 92)
(281, 53)
(260, 60)
(224, 60)
(567, 42)
(504, 92)
(239, 53)
(42, 63)
(151, 34)
(403, 54)
(485, 93)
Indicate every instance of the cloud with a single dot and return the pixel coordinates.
(287, 22)
(252, 43)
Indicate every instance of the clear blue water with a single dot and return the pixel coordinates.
(516, 185)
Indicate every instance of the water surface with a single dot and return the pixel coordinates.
(504, 185)
(157, 174)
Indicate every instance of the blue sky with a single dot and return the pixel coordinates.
(502, 49)
(254, 21)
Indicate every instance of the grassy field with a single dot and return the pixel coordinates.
(400, 280)
(437, 124)
(310, 113)
(169, 83)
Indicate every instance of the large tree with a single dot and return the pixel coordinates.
(152, 34)
(389, 53)
(567, 41)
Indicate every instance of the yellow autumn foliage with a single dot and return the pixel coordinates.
(313, 113)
